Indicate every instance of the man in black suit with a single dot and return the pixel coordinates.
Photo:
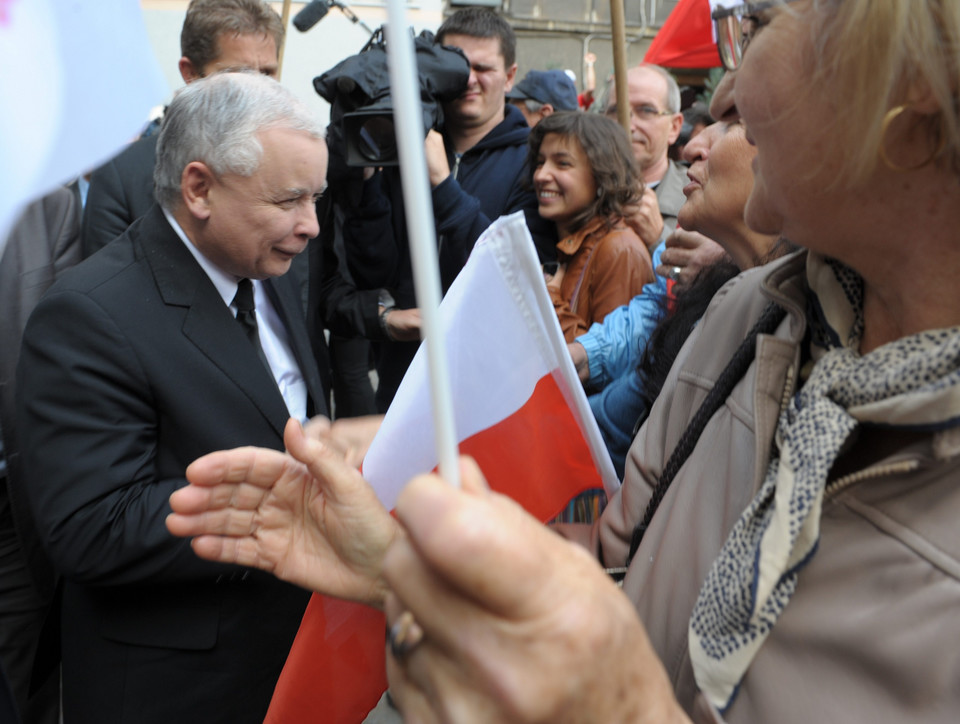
(141, 359)
(216, 35)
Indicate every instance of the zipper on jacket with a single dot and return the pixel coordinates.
(875, 471)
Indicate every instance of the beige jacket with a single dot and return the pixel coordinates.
(873, 631)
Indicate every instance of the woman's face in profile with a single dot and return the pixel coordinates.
(721, 180)
(789, 122)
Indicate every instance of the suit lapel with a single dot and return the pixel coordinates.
(208, 323)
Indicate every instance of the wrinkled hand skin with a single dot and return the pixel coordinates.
(692, 252)
(307, 517)
(519, 624)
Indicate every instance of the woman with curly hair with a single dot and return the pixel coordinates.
(584, 174)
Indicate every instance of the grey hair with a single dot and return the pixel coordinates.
(672, 101)
(532, 105)
(673, 90)
(217, 120)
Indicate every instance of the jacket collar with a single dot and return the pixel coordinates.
(571, 244)
(208, 322)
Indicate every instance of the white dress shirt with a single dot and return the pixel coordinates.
(273, 335)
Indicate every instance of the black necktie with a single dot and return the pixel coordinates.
(247, 317)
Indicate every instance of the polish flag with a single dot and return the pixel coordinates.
(519, 410)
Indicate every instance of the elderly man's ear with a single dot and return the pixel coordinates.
(188, 71)
(196, 183)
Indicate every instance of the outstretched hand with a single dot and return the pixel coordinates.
(307, 517)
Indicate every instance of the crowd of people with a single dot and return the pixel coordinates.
(767, 331)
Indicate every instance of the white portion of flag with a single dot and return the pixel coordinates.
(501, 337)
(78, 79)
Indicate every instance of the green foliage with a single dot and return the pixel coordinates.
(710, 85)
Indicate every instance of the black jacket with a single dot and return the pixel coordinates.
(489, 182)
(132, 367)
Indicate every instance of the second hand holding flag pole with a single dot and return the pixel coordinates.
(408, 122)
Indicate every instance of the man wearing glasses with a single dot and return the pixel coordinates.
(655, 123)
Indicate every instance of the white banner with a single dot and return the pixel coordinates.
(78, 79)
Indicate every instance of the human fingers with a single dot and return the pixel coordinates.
(317, 427)
(477, 543)
(256, 466)
(324, 460)
(681, 238)
(432, 683)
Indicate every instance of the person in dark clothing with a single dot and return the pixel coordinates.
(475, 165)
(216, 35)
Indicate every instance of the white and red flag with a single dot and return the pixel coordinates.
(519, 410)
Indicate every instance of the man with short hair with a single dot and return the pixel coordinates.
(475, 167)
(217, 35)
(655, 122)
(181, 338)
(541, 92)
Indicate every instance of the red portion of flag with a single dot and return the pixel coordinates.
(335, 671)
(540, 446)
(686, 38)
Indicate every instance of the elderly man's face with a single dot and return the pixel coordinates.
(257, 224)
(652, 129)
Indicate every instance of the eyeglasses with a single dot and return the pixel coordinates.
(736, 26)
(644, 112)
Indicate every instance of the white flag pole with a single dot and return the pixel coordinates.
(408, 122)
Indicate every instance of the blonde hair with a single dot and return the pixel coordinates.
(870, 52)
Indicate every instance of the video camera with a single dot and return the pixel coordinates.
(361, 109)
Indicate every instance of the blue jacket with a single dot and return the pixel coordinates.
(613, 347)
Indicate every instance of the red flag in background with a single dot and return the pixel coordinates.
(686, 38)
(519, 409)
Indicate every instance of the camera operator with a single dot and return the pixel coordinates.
(475, 168)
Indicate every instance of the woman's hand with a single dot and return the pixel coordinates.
(307, 517)
(518, 624)
(687, 253)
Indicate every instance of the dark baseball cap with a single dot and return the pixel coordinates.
(547, 86)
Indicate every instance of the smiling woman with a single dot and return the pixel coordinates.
(584, 175)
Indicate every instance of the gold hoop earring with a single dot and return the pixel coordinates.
(890, 116)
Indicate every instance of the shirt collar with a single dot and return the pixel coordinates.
(225, 283)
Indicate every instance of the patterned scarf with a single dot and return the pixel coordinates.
(913, 383)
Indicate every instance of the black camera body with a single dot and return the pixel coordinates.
(358, 90)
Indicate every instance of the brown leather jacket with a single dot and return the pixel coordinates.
(606, 268)
(872, 632)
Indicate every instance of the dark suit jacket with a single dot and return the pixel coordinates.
(43, 243)
(132, 367)
(121, 191)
